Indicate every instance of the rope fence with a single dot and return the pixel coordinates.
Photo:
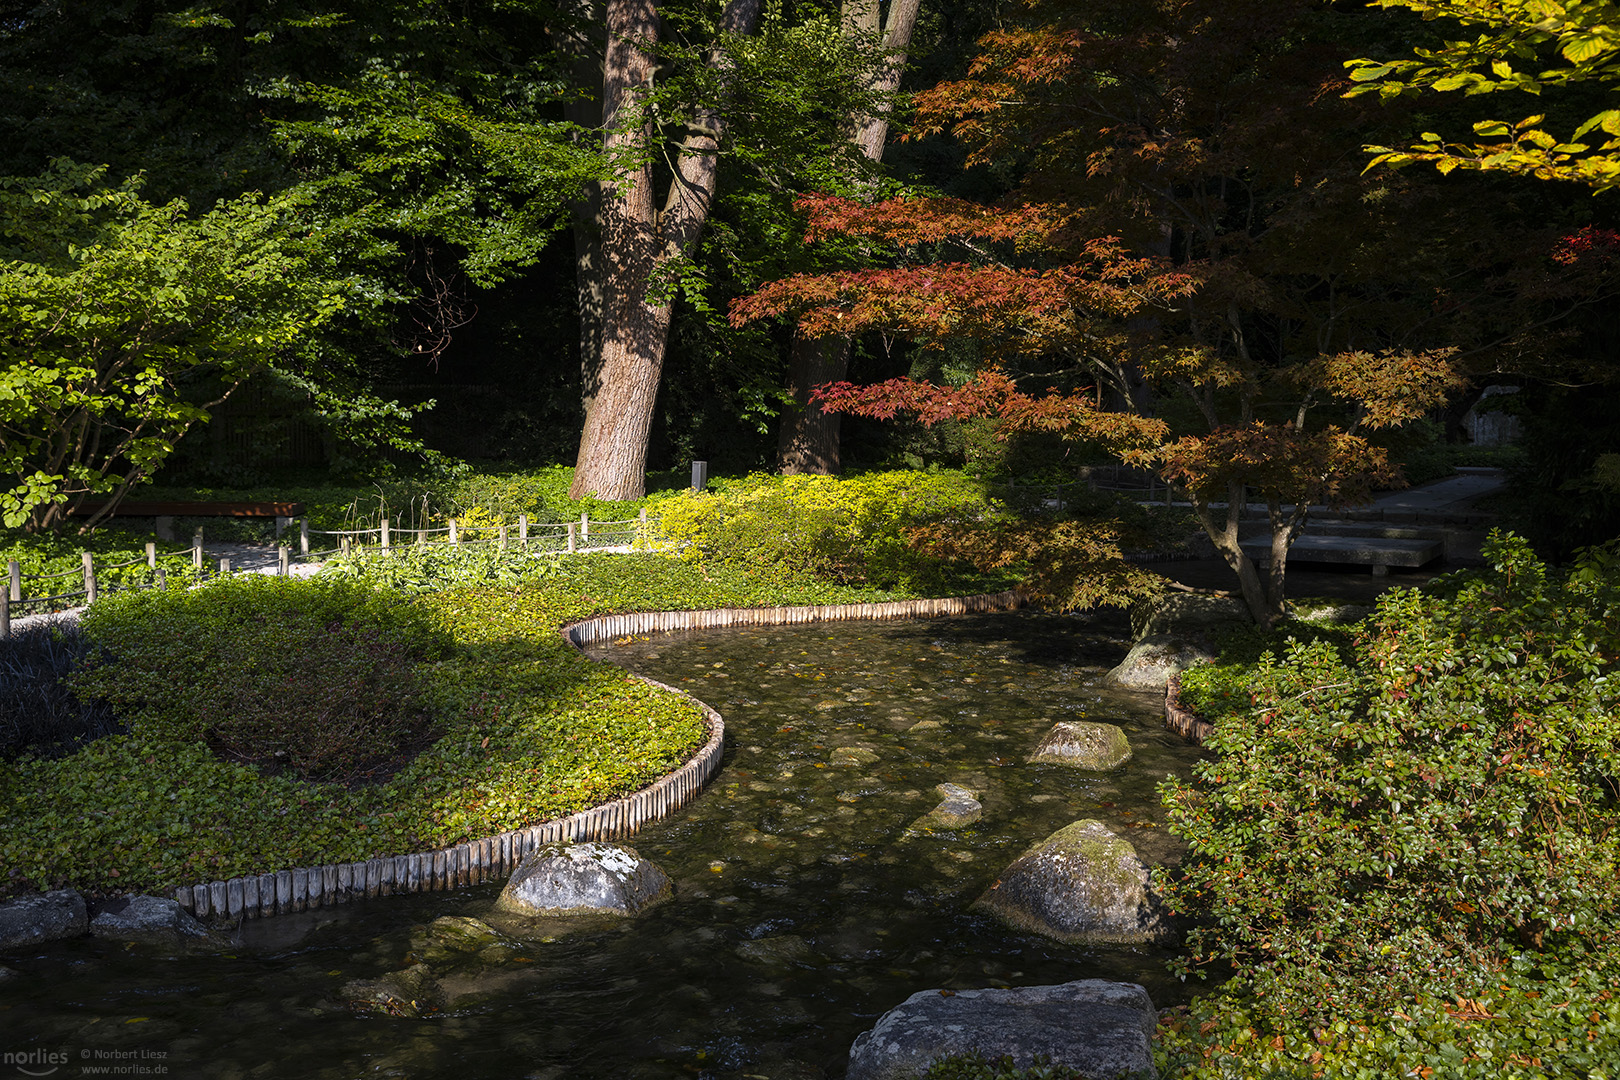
(537, 538)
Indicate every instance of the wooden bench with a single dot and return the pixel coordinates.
(166, 512)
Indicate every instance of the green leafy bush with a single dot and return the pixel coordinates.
(1406, 826)
(315, 675)
(848, 529)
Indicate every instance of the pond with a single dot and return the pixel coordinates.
(804, 906)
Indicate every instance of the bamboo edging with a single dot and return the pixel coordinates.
(1183, 721)
(492, 858)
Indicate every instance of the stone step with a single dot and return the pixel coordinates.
(1376, 551)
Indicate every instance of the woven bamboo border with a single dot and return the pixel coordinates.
(492, 858)
(1181, 720)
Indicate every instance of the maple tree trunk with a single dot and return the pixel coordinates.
(636, 239)
(807, 441)
(1265, 606)
(808, 438)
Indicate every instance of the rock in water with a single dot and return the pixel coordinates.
(584, 879)
(30, 920)
(957, 809)
(1097, 1028)
(1080, 884)
(1151, 662)
(153, 920)
(1084, 745)
(412, 993)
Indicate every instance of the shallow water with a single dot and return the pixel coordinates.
(804, 906)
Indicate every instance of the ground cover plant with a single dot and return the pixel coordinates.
(1410, 855)
(527, 730)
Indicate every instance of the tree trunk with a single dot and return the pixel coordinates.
(1264, 607)
(807, 439)
(636, 241)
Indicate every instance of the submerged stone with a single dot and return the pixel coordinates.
(1084, 745)
(454, 938)
(957, 809)
(776, 949)
(1102, 1030)
(411, 993)
(852, 755)
(584, 879)
(1081, 884)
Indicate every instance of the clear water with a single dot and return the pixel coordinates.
(803, 908)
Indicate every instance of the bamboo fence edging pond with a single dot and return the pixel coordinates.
(492, 858)
(1183, 721)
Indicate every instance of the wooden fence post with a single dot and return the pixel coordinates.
(283, 560)
(573, 544)
(89, 577)
(455, 534)
(523, 531)
(162, 578)
(197, 548)
(224, 566)
(303, 536)
(503, 537)
(151, 555)
(14, 572)
(343, 546)
(5, 614)
(585, 526)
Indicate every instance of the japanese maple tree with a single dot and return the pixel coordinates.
(1191, 225)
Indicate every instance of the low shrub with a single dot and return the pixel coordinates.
(847, 529)
(1410, 829)
(314, 675)
(39, 712)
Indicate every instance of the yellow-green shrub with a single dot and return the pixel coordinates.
(849, 529)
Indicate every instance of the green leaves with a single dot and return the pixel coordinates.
(1402, 822)
(119, 319)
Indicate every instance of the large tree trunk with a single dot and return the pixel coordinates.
(807, 439)
(636, 240)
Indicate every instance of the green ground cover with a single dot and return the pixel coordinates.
(527, 729)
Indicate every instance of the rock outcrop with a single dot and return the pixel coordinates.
(1081, 884)
(584, 879)
(1084, 745)
(31, 920)
(1097, 1028)
(153, 920)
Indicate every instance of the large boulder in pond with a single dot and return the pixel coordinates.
(1081, 884)
(32, 920)
(1099, 1029)
(584, 879)
(1084, 745)
(153, 920)
(1151, 662)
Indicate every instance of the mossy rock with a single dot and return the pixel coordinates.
(411, 993)
(1081, 884)
(1083, 744)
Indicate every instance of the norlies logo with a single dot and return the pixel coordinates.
(35, 1062)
